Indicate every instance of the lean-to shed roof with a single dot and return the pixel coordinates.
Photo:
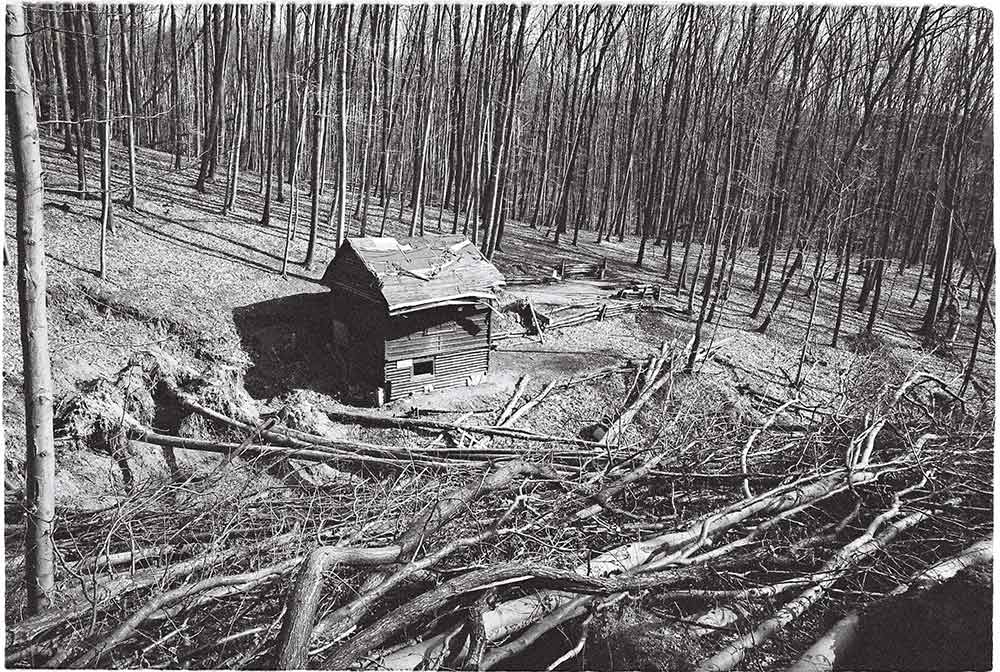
(416, 273)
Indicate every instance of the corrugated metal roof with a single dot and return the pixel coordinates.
(423, 272)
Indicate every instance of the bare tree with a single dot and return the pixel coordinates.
(984, 302)
(425, 98)
(361, 207)
(102, 62)
(298, 140)
(175, 84)
(60, 72)
(39, 497)
(319, 127)
(127, 76)
(76, 85)
(341, 174)
(233, 172)
(269, 150)
(207, 169)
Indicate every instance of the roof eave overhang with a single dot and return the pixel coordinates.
(475, 298)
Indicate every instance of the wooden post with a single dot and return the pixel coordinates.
(603, 270)
(562, 269)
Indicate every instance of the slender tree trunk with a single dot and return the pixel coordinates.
(843, 286)
(362, 206)
(76, 86)
(297, 141)
(154, 124)
(39, 498)
(83, 64)
(206, 74)
(175, 88)
(496, 188)
(127, 59)
(233, 172)
(388, 101)
(293, 191)
(319, 123)
(283, 129)
(60, 68)
(420, 159)
(269, 101)
(102, 63)
(197, 104)
(706, 293)
(206, 172)
(983, 303)
(341, 174)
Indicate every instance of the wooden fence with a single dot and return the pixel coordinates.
(598, 312)
(562, 272)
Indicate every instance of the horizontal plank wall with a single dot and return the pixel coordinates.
(457, 338)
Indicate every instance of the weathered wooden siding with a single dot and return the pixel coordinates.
(451, 369)
(457, 338)
(431, 331)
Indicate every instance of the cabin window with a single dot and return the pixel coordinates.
(423, 368)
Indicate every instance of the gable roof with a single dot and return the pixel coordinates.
(417, 273)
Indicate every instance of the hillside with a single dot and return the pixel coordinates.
(200, 295)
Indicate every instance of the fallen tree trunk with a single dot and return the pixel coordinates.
(825, 652)
(601, 498)
(295, 445)
(315, 454)
(375, 635)
(516, 614)
(702, 624)
(508, 408)
(132, 556)
(98, 597)
(297, 439)
(372, 420)
(733, 653)
(303, 601)
(127, 629)
(347, 617)
(654, 381)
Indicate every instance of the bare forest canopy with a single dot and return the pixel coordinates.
(864, 131)
(653, 487)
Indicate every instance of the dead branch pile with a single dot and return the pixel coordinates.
(472, 553)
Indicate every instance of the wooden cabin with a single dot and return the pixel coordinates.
(412, 315)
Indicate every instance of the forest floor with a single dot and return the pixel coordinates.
(191, 285)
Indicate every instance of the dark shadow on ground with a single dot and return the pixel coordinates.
(946, 627)
(290, 344)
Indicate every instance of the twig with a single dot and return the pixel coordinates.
(128, 628)
(734, 652)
